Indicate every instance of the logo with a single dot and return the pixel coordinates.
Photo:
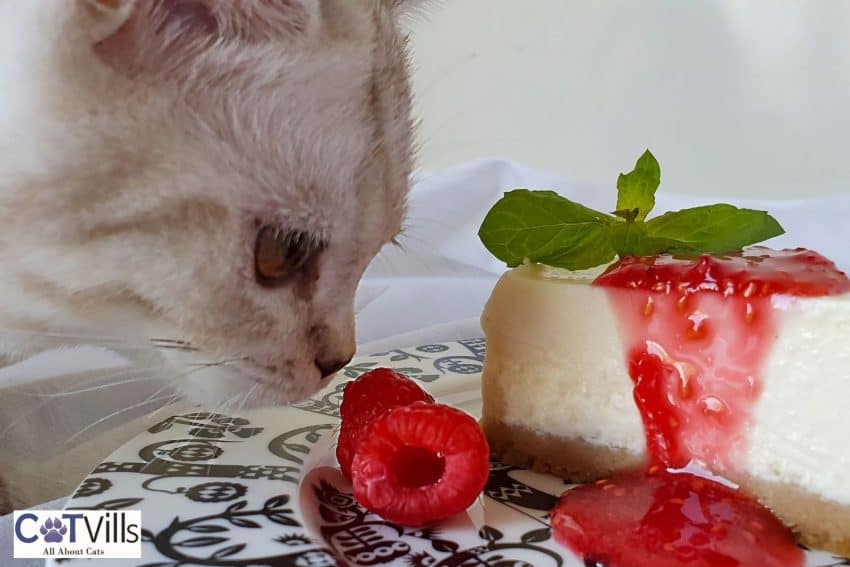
(53, 531)
(77, 534)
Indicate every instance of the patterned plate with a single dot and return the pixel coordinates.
(262, 489)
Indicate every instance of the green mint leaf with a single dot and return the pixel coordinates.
(711, 229)
(636, 189)
(544, 227)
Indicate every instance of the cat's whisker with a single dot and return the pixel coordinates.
(67, 335)
(385, 264)
(149, 400)
(361, 305)
(152, 399)
(227, 404)
(235, 404)
(97, 388)
(397, 242)
(239, 404)
(414, 226)
(173, 344)
(207, 366)
(170, 341)
(177, 347)
(219, 363)
(47, 399)
(413, 235)
(247, 397)
(46, 344)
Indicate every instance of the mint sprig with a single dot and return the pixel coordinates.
(544, 227)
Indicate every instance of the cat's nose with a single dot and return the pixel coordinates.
(334, 347)
(330, 367)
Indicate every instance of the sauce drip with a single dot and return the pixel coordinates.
(661, 519)
(696, 332)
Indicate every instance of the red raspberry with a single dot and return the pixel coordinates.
(420, 463)
(366, 398)
(349, 434)
(378, 390)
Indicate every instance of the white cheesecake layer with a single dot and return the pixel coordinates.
(801, 423)
(555, 357)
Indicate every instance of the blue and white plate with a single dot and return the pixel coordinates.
(263, 489)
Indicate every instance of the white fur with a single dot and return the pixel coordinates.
(136, 166)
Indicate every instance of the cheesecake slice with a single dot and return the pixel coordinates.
(740, 363)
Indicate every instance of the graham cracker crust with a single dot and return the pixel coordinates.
(571, 459)
(817, 523)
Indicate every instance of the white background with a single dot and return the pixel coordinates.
(749, 98)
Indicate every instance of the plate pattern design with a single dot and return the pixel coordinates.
(262, 489)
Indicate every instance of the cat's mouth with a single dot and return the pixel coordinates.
(263, 372)
(248, 384)
(237, 382)
(285, 382)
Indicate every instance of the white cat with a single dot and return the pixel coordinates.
(215, 172)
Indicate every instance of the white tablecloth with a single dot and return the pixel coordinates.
(434, 287)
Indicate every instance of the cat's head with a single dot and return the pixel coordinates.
(228, 168)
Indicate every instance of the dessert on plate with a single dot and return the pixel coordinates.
(691, 347)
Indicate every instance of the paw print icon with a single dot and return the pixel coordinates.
(53, 530)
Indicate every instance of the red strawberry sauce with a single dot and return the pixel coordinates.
(659, 519)
(695, 332)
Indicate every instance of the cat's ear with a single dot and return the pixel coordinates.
(147, 29)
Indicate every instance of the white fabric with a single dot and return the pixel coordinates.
(433, 289)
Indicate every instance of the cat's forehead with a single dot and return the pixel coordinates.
(315, 137)
(322, 147)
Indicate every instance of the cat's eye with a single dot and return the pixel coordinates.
(279, 254)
